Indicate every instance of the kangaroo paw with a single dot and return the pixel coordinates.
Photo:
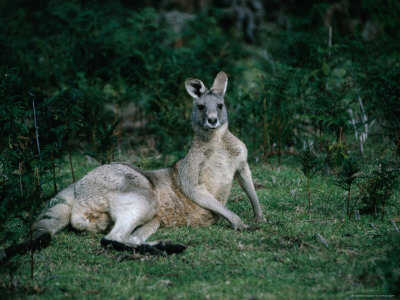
(248, 228)
(170, 248)
(241, 227)
(148, 249)
(161, 248)
(253, 228)
(114, 245)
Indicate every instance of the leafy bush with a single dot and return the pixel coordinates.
(389, 268)
(310, 165)
(347, 177)
(378, 187)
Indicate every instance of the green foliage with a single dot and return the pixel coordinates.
(379, 186)
(386, 90)
(94, 67)
(310, 164)
(18, 155)
(389, 267)
(282, 259)
(149, 163)
(21, 168)
(104, 148)
(278, 92)
(347, 174)
(337, 154)
(347, 177)
(289, 82)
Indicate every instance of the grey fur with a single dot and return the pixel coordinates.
(134, 203)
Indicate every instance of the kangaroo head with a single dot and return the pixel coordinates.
(209, 111)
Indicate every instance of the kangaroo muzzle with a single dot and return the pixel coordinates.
(212, 122)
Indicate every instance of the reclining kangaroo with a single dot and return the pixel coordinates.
(135, 203)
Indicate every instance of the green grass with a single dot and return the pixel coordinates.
(283, 259)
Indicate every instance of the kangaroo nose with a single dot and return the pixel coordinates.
(212, 120)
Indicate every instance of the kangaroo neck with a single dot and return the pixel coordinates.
(207, 136)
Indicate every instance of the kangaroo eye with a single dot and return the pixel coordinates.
(200, 106)
(220, 106)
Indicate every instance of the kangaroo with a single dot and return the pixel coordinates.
(132, 203)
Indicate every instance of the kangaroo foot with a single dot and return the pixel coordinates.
(161, 248)
(240, 226)
(246, 227)
(253, 228)
(114, 245)
(170, 248)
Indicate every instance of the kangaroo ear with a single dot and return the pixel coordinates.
(220, 84)
(195, 87)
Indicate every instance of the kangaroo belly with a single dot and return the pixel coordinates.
(217, 175)
(175, 209)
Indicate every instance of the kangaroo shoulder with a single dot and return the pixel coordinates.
(235, 147)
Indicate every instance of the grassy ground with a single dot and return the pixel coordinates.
(284, 259)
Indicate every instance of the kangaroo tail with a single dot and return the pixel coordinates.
(57, 214)
(54, 218)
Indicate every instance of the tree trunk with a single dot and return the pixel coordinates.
(11, 286)
(320, 138)
(279, 135)
(118, 130)
(20, 178)
(70, 159)
(309, 196)
(69, 151)
(166, 160)
(348, 203)
(254, 143)
(54, 172)
(31, 252)
(266, 134)
(38, 186)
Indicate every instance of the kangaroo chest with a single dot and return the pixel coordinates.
(217, 171)
(212, 166)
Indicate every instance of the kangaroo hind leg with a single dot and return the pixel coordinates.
(129, 211)
(134, 217)
(141, 233)
(157, 247)
(138, 241)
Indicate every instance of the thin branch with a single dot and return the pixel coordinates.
(35, 124)
(322, 240)
(394, 225)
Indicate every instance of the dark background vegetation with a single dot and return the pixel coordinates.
(105, 79)
(109, 61)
